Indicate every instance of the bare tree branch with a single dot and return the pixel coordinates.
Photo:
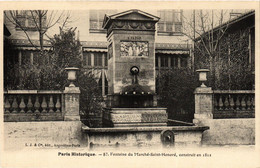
(43, 20)
(16, 22)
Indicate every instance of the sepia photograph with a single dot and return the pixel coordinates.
(167, 83)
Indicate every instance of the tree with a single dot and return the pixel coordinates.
(175, 88)
(50, 74)
(37, 20)
(67, 49)
(214, 48)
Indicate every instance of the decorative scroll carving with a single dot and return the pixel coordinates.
(131, 25)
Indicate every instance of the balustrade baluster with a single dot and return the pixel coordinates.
(243, 103)
(51, 105)
(14, 106)
(29, 105)
(44, 105)
(248, 102)
(37, 105)
(7, 105)
(215, 103)
(22, 105)
(232, 104)
(226, 103)
(253, 103)
(58, 104)
(220, 104)
(237, 103)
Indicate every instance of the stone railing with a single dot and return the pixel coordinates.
(221, 104)
(40, 105)
(234, 104)
(33, 105)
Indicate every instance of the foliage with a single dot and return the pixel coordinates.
(224, 51)
(228, 64)
(67, 49)
(90, 98)
(49, 73)
(175, 89)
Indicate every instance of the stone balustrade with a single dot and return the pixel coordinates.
(33, 105)
(221, 104)
(234, 104)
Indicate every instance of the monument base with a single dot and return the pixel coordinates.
(134, 117)
(151, 137)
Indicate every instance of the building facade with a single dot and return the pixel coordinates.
(231, 59)
(172, 47)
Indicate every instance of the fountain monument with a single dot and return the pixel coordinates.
(131, 99)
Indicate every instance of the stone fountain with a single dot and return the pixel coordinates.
(131, 116)
(131, 99)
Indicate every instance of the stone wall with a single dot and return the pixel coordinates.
(142, 136)
(229, 132)
(20, 135)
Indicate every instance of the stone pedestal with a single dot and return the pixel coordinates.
(203, 104)
(71, 104)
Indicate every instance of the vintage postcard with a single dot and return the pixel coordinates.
(129, 84)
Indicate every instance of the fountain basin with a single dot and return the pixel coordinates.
(143, 136)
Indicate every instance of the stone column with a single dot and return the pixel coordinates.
(71, 104)
(203, 104)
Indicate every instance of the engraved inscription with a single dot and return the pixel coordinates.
(120, 118)
(155, 117)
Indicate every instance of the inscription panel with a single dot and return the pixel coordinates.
(154, 117)
(122, 118)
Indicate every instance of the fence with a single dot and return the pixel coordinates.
(33, 105)
(234, 104)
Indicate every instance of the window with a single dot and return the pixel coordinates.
(156, 60)
(178, 27)
(252, 47)
(28, 19)
(174, 61)
(170, 21)
(171, 60)
(177, 16)
(100, 84)
(103, 84)
(184, 62)
(164, 61)
(96, 18)
(105, 59)
(26, 57)
(106, 86)
(86, 59)
(98, 59)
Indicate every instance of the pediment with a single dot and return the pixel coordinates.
(133, 14)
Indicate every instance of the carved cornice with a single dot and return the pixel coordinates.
(26, 42)
(132, 25)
